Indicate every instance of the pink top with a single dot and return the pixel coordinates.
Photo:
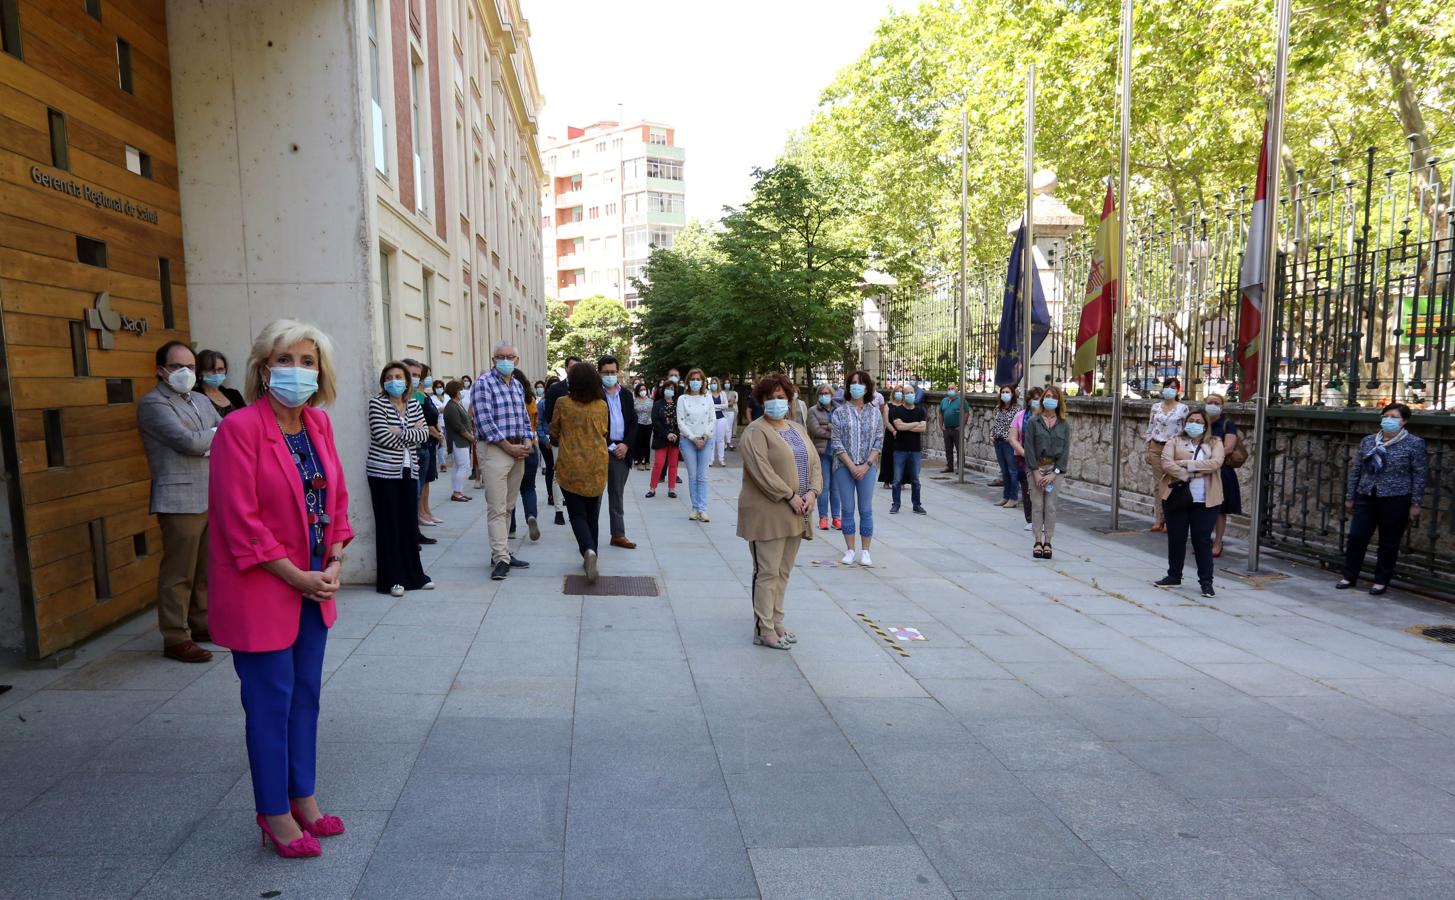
(256, 515)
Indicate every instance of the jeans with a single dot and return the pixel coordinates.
(906, 468)
(1389, 516)
(585, 515)
(280, 690)
(1201, 519)
(856, 493)
(828, 500)
(528, 485)
(696, 461)
(1005, 455)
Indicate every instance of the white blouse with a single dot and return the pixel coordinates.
(696, 416)
(1166, 425)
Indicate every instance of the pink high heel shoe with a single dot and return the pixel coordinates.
(324, 826)
(302, 847)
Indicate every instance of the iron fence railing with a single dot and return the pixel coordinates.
(1364, 308)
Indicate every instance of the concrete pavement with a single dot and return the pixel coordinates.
(1066, 730)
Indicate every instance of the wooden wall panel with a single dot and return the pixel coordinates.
(69, 65)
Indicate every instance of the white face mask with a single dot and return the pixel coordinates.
(182, 380)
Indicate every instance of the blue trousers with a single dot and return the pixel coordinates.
(528, 497)
(828, 499)
(1010, 483)
(856, 493)
(696, 462)
(280, 697)
(906, 468)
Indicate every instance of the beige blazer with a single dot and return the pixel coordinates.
(1177, 464)
(770, 480)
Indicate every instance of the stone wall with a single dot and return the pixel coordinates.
(1308, 468)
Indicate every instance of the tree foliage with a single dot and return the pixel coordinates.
(597, 326)
(1363, 73)
(774, 286)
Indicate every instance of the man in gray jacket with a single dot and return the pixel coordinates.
(177, 428)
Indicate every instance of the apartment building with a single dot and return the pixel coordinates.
(193, 169)
(612, 193)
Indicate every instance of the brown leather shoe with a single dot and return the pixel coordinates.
(623, 543)
(201, 637)
(187, 652)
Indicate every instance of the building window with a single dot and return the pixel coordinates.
(662, 238)
(93, 9)
(386, 296)
(601, 146)
(665, 169)
(635, 242)
(665, 203)
(138, 162)
(381, 146)
(55, 439)
(164, 272)
(594, 212)
(60, 151)
(10, 27)
(123, 65)
(80, 360)
(100, 567)
(616, 142)
(575, 152)
(428, 288)
(610, 209)
(91, 251)
(657, 136)
(417, 95)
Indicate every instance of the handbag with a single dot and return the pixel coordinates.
(1180, 497)
(1239, 455)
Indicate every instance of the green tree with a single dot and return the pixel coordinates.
(596, 327)
(558, 325)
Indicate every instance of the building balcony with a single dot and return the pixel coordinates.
(569, 261)
(567, 230)
(573, 293)
(568, 200)
(666, 218)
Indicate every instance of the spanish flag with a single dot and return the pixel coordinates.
(1094, 337)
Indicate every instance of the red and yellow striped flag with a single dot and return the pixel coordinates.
(1094, 337)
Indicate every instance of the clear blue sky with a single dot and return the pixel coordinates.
(734, 78)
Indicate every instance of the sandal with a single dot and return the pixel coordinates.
(1038, 553)
(459, 498)
(1046, 554)
(787, 637)
(758, 640)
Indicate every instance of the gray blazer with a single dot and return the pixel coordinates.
(177, 432)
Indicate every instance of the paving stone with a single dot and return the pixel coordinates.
(95, 876)
(685, 778)
(356, 716)
(365, 776)
(78, 715)
(1384, 797)
(1022, 853)
(1131, 719)
(29, 767)
(1191, 866)
(900, 720)
(136, 672)
(973, 700)
(828, 809)
(633, 853)
(1209, 768)
(1113, 805)
(846, 873)
(490, 876)
(1045, 744)
(448, 812)
(789, 743)
(488, 746)
(396, 674)
(416, 641)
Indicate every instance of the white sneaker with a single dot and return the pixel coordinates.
(397, 591)
(1027, 527)
(428, 586)
(590, 563)
(702, 517)
(864, 559)
(849, 558)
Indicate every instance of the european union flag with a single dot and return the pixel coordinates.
(1011, 353)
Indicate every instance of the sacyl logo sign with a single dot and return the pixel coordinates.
(107, 321)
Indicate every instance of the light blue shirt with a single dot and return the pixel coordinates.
(616, 430)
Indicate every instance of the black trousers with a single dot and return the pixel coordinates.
(642, 446)
(952, 440)
(585, 515)
(886, 459)
(548, 466)
(1200, 519)
(1025, 494)
(1390, 516)
(396, 534)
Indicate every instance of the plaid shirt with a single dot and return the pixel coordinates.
(499, 407)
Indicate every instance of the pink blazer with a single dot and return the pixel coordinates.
(255, 515)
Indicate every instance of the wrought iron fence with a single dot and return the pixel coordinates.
(1364, 308)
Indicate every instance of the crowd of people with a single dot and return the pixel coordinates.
(269, 537)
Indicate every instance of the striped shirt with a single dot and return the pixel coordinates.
(499, 407)
(800, 456)
(390, 453)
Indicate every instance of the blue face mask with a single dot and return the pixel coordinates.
(414, 381)
(775, 409)
(505, 367)
(669, 393)
(608, 380)
(695, 384)
(1214, 410)
(856, 391)
(1051, 403)
(394, 387)
(214, 379)
(1169, 393)
(1036, 405)
(540, 392)
(1391, 424)
(428, 380)
(825, 399)
(292, 385)
(899, 395)
(1193, 429)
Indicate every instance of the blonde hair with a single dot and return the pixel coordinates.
(282, 333)
(700, 374)
(1060, 400)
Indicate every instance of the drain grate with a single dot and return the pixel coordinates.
(1445, 634)
(612, 586)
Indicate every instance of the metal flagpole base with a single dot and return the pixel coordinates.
(1115, 532)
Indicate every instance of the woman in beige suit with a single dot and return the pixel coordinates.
(780, 486)
(1194, 458)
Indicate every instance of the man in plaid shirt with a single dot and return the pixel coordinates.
(503, 427)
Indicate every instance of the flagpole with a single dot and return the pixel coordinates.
(1267, 353)
(1118, 322)
(964, 188)
(1028, 260)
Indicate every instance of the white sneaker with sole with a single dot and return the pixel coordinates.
(590, 563)
(428, 586)
(397, 591)
(535, 528)
(849, 558)
(1027, 527)
(864, 559)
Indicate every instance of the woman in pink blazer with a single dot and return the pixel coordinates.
(278, 522)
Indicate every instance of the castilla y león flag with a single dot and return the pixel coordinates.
(1250, 281)
(1103, 293)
